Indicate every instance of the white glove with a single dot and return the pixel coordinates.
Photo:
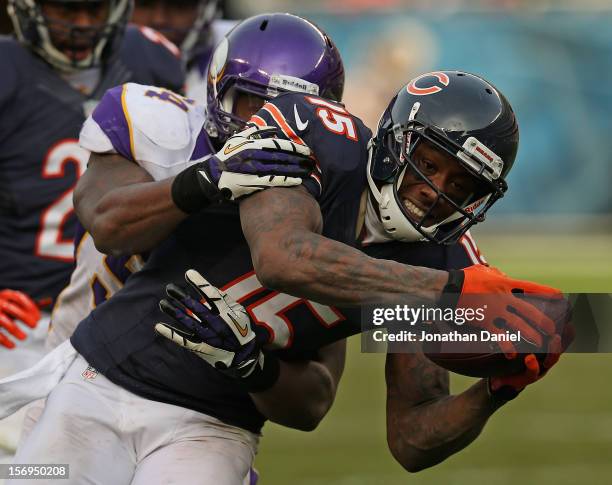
(211, 325)
(250, 161)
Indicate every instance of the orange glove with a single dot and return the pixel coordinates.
(16, 305)
(505, 388)
(481, 279)
(504, 308)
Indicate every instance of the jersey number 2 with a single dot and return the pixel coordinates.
(49, 242)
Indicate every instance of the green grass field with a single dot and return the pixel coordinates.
(559, 431)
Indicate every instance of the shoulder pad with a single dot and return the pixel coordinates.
(155, 37)
(337, 139)
(107, 129)
(148, 125)
(300, 116)
(159, 114)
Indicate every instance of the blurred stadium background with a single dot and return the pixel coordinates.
(551, 58)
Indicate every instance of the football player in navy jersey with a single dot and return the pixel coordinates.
(437, 163)
(65, 55)
(194, 26)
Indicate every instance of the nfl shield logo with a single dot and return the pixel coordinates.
(89, 373)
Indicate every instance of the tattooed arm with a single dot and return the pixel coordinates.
(289, 255)
(425, 424)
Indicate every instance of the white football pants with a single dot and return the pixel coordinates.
(110, 436)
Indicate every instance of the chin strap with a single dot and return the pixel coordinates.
(390, 216)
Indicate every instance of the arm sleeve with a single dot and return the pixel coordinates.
(107, 129)
(152, 127)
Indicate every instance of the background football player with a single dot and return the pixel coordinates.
(66, 54)
(194, 26)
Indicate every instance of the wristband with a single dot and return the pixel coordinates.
(452, 290)
(454, 284)
(189, 194)
(503, 394)
(264, 376)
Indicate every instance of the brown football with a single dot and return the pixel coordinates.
(489, 361)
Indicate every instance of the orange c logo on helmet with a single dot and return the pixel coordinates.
(412, 88)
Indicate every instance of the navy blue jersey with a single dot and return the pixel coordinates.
(118, 338)
(40, 160)
(335, 136)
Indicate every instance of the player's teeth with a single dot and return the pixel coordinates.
(413, 209)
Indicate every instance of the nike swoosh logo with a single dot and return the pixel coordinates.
(205, 176)
(229, 149)
(242, 330)
(301, 126)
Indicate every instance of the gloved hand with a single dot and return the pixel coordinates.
(218, 330)
(250, 161)
(15, 305)
(505, 310)
(505, 388)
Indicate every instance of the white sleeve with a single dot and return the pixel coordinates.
(92, 138)
(151, 126)
(165, 127)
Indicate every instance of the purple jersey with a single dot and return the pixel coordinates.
(40, 159)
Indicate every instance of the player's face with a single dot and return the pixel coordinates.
(72, 25)
(446, 173)
(173, 18)
(246, 105)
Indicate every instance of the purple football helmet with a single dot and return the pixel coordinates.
(264, 56)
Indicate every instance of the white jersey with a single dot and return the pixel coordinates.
(158, 130)
(195, 81)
